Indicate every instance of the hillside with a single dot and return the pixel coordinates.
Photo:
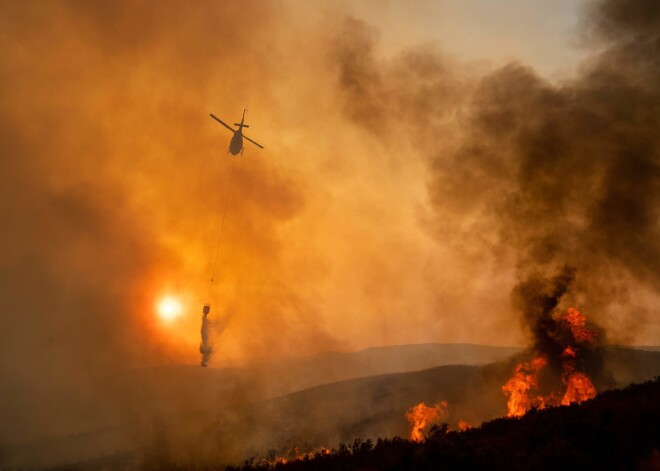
(321, 416)
(139, 403)
(330, 367)
(619, 429)
(375, 406)
(161, 390)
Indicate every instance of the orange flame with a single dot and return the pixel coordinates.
(421, 418)
(568, 352)
(579, 387)
(524, 379)
(577, 322)
(294, 455)
(463, 425)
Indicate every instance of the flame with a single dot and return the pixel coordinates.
(294, 455)
(463, 425)
(579, 388)
(524, 382)
(577, 322)
(421, 418)
(569, 352)
(524, 379)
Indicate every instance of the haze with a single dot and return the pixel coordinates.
(362, 223)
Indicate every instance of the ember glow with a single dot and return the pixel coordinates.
(523, 389)
(464, 425)
(294, 454)
(422, 418)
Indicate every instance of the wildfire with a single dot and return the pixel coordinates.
(578, 388)
(578, 385)
(463, 425)
(577, 322)
(421, 418)
(569, 352)
(294, 455)
(522, 389)
(525, 379)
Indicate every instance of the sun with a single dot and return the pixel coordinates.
(169, 309)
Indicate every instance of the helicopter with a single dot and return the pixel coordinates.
(236, 144)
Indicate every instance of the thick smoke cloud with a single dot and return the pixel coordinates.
(111, 186)
(573, 169)
(399, 198)
(568, 174)
(528, 177)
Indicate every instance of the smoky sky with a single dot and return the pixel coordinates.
(93, 117)
(531, 173)
(573, 169)
(399, 198)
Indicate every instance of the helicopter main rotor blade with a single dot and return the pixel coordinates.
(255, 143)
(221, 122)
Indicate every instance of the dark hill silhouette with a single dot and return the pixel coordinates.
(619, 429)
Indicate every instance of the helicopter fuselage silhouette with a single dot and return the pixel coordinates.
(236, 143)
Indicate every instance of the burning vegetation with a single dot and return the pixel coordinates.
(293, 455)
(523, 389)
(463, 425)
(617, 430)
(425, 421)
(566, 355)
(421, 418)
(566, 350)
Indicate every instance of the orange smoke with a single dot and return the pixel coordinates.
(421, 418)
(522, 388)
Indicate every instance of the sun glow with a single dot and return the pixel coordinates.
(169, 309)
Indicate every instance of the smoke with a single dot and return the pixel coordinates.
(398, 200)
(561, 338)
(566, 179)
(551, 188)
(568, 175)
(112, 182)
(206, 348)
(526, 176)
(537, 299)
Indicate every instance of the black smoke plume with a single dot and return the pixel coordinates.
(538, 298)
(569, 174)
(529, 173)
